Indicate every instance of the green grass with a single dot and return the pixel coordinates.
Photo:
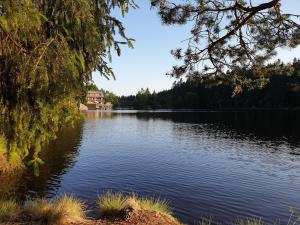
(8, 209)
(58, 211)
(117, 204)
(112, 204)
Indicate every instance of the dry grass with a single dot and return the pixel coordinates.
(59, 211)
(117, 204)
(8, 209)
(157, 205)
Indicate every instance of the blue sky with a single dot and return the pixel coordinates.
(146, 64)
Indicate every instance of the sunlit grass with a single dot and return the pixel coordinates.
(8, 209)
(59, 211)
(112, 204)
(116, 204)
(70, 210)
(157, 205)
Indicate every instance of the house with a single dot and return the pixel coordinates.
(95, 100)
(95, 97)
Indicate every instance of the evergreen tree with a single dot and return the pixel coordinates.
(279, 88)
(229, 35)
(48, 50)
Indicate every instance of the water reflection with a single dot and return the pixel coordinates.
(224, 164)
(59, 157)
(266, 125)
(98, 114)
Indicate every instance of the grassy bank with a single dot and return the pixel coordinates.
(114, 208)
(41, 211)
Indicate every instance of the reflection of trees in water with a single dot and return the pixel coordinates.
(58, 156)
(263, 125)
(270, 138)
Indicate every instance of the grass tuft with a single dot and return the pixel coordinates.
(8, 209)
(59, 211)
(117, 204)
(157, 205)
(251, 222)
(112, 204)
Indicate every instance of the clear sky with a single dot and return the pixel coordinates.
(146, 64)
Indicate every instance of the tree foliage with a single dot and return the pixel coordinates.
(110, 97)
(48, 50)
(282, 90)
(228, 34)
(91, 87)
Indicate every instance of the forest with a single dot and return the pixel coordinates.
(279, 87)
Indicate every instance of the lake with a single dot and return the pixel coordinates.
(224, 165)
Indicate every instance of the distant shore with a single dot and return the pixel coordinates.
(210, 109)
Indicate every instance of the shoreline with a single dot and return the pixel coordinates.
(114, 208)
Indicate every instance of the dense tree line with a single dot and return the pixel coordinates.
(275, 86)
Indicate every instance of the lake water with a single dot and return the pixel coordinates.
(226, 165)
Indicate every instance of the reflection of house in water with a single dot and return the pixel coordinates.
(99, 114)
(95, 100)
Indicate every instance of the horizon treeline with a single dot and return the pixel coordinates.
(274, 86)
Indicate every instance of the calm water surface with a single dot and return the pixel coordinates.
(220, 164)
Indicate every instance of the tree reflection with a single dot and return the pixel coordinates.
(58, 156)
